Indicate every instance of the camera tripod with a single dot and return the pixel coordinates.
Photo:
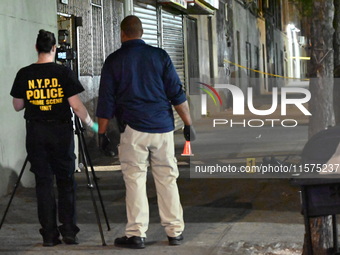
(91, 182)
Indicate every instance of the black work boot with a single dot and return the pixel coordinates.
(69, 233)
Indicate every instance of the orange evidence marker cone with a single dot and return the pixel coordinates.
(187, 149)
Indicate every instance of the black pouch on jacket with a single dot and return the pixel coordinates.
(121, 125)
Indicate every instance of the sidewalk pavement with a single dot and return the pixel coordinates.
(223, 216)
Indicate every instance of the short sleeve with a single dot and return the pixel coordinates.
(73, 84)
(18, 88)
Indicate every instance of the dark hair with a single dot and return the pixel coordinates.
(132, 26)
(45, 41)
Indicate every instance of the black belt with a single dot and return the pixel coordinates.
(50, 121)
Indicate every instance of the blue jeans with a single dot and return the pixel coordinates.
(50, 149)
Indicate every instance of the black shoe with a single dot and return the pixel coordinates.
(50, 239)
(51, 242)
(69, 233)
(175, 240)
(133, 242)
(71, 239)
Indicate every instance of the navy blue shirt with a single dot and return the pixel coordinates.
(138, 85)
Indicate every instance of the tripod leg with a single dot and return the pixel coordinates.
(14, 190)
(81, 147)
(90, 185)
(95, 181)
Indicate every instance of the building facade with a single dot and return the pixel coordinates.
(19, 31)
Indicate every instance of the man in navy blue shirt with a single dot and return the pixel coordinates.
(138, 86)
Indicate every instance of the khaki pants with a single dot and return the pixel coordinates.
(137, 151)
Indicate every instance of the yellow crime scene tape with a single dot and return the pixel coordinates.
(251, 162)
(261, 72)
